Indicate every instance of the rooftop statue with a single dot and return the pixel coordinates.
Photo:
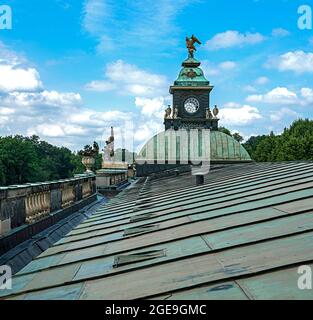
(168, 112)
(109, 148)
(190, 43)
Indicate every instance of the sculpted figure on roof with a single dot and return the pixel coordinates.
(190, 43)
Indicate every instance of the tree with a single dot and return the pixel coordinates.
(224, 130)
(266, 150)
(237, 137)
(28, 159)
(297, 142)
(294, 144)
(19, 160)
(251, 144)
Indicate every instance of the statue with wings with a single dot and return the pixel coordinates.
(190, 42)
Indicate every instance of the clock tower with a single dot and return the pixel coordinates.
(191, 97)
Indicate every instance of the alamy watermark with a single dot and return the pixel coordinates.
(305, 17)
(171, 147)
(5, 277)
(5, 17)
(305, 278)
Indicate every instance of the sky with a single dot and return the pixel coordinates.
(71, 69)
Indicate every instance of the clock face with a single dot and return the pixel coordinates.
(191, 105)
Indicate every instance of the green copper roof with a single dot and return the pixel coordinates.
(241, 235)
(215, 146)
(191, 74)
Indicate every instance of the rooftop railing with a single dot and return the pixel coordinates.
(32, 202)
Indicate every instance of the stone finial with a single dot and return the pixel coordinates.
(208, 114)
(168, 112)
(216, 111)
(175, 113)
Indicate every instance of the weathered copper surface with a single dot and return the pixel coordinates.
(241, 235)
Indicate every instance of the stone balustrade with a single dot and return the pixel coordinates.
(86, 189)
(37, 206)
(33, 202)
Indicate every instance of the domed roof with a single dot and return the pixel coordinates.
(191, 74)
(202, 145)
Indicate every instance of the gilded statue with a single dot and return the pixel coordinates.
(190, 43)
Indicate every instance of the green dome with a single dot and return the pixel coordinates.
(215, 146)
(226, 148)
(191, 74)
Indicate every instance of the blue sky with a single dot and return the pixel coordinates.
(70, 69)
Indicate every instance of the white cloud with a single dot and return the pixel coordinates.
(72, 130)
(296, 61)
(43, 98)
(130, 80)
(100, 86)
(57, 117)
(47, 130)
(233, 38)
(279, 95)
(151, 107)
(147, 131)
(8, 56)
(283, 96)
(105, 44)
(6, 111)
(250, 89)
(282, 113)
(124, 72)
(14, 74)
(227, 65)
(212, 69)
(88, 118)
(95, 13)
(14, 78)
(233, 114)
(149, 21)
(262, 80)
(232, 105)
(3, 120)
(56, 130)
(280, 32)
(307, 94)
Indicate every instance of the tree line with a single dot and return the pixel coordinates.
(294, 144)
(29, 159)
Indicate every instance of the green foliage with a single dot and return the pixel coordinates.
(90, 151)
(224, 130)
(266, 150)
(28, 159)
(295, 143)
(98, 163)
(236, 135)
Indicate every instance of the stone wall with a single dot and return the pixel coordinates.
(30, 203)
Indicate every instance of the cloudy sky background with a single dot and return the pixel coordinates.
(70, 69)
